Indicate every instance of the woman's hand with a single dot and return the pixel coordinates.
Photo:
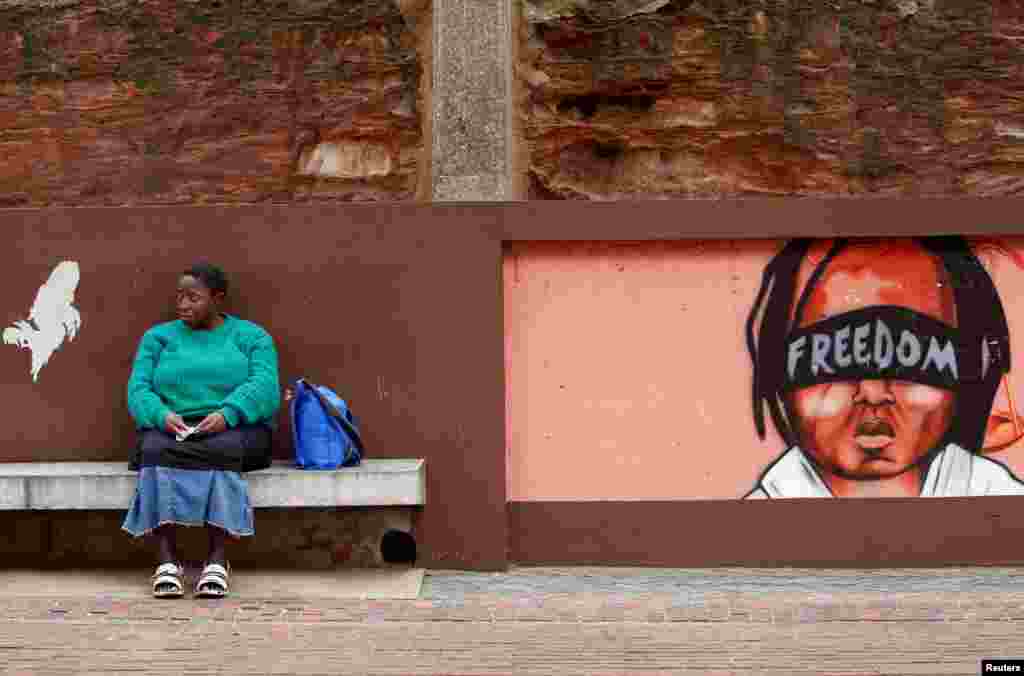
(212, 424)
(174, 424)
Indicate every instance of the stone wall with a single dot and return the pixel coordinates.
(291, 538)
(111, 102)
(720, 98)
(119, 102)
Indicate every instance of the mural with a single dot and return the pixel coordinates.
(877, 362)
(880, 368)
(732, 369)
(52, 318)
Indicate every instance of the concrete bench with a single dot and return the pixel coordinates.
(111, 485)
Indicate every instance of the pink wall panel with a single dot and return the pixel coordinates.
(628, 376)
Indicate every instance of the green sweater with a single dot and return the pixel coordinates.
(232, 369)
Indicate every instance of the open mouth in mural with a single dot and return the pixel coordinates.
(873, 436)
(874, 442)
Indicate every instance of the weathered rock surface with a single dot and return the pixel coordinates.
(715, 98)
(112, 102)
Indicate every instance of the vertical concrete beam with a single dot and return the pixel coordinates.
(471, 99)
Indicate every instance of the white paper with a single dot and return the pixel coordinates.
(182, 436)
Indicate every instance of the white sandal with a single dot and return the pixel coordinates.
(169, 574)
(213, 583)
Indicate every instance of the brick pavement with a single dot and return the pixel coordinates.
(543, 621)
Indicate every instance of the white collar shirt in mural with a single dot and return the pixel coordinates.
(954, 472)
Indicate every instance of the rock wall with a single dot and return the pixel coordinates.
(119, 102)
(720, 98)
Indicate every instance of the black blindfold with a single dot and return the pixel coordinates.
(883, 342)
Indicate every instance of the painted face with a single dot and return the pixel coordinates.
(195, 303)
(869, 429)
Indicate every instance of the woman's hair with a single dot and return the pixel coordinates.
(212, 277)
(980, 317)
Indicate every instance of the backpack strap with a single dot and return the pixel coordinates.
(333, 411)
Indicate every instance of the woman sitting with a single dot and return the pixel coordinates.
(203, 392)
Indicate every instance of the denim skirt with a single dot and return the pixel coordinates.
(190, 497)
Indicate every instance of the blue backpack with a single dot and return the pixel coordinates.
(324, 431)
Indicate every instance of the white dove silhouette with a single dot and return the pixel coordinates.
(52, 318)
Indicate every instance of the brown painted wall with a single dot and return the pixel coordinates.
(862, 533)
(841, 532)
(395, 307)
(399, 307)
(760, 218)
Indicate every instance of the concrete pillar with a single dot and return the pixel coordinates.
(471, 99)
